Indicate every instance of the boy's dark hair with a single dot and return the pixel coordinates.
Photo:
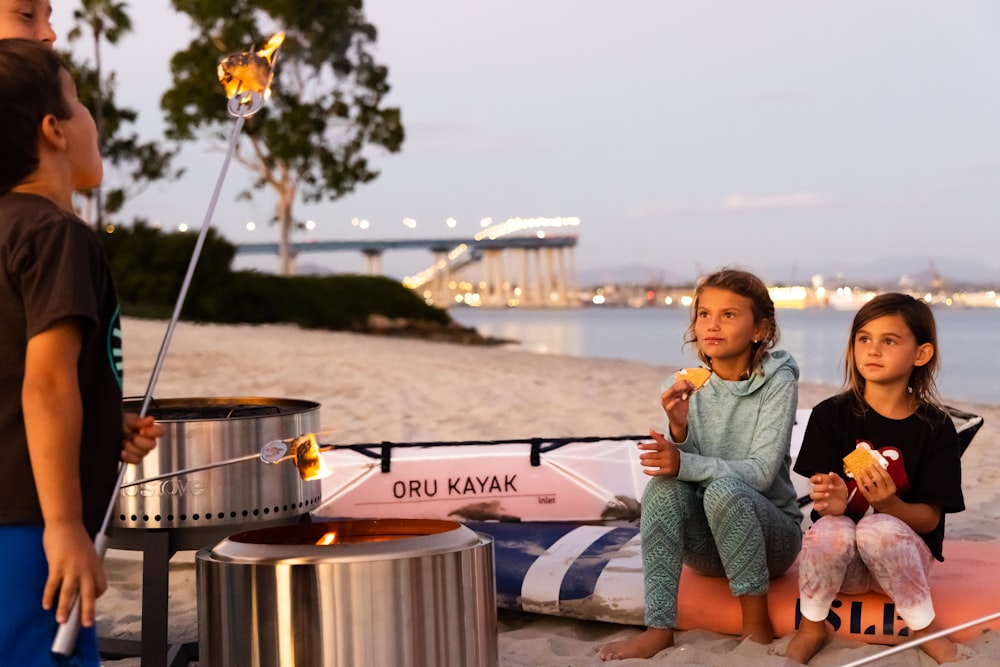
(919, 319)
(751, 287)
(30, 89)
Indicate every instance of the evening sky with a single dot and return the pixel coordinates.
(787, 136)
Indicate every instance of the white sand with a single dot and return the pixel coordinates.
(373, 389)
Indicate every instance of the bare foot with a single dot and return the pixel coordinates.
(941, 649)
(756, 621)
(807, 641)
(646, 644)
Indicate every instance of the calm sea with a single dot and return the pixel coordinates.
(969, 340)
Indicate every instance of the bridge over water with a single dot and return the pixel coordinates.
(498, 269)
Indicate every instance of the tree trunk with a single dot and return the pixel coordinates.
(286, 263)
(99, 124)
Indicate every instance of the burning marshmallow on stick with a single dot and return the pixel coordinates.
(250, 71)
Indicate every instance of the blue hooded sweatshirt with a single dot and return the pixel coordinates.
(743, 429)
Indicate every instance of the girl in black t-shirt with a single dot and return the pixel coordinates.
(883, 529)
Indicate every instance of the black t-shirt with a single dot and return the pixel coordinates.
(922, 451)
(52, 267)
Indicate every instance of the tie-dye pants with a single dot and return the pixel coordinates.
(879, 553)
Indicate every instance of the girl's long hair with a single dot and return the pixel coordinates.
(919, 320)
(751, 287)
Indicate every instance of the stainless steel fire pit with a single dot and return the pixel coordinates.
(205, 431)
(405, 593)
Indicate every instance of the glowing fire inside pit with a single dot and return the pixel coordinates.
(333, 538)
(349, 532)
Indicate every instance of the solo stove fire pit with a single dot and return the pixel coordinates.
(228, 486)
(204, 481)
(405, 593)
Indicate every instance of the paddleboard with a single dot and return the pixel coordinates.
(594, 572)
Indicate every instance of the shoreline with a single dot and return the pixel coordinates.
(373, 388)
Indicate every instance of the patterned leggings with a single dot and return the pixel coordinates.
(880, 553)
(725, 529)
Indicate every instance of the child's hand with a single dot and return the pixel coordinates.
(661, 455)
(875, 484)
(675, 403)
(74, 569)
(829, 493)
(138, 437)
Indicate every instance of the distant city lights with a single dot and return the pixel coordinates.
(513, 225)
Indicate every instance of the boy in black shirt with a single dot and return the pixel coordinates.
(61, 422)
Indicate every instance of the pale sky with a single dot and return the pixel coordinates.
(683, 134)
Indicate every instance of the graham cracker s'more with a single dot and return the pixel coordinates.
(861, 458)
(697, 376)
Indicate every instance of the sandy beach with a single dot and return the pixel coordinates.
(373, 389)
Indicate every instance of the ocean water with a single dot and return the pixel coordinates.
(969, 340)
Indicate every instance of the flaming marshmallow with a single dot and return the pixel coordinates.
(250, 71)
(306, 452)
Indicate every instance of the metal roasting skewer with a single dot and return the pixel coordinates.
(241, 105)
(917, 642)
(273, 452)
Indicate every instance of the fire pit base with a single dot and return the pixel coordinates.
(407, 593)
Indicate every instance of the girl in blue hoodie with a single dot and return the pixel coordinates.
(721, 499)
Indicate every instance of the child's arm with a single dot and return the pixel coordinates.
(877, 486)
(53, 417)
(675, 405)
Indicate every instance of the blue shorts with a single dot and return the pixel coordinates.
(26, 630)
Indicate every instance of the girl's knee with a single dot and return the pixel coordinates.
(665, 486)
(724, 494)
(665, 495)
(875, 530)
(878, 534)
(835, 534)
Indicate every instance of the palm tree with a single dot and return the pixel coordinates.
(106, 20)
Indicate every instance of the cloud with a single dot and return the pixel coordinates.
(792, 200)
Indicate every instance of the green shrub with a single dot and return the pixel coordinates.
(149, 268)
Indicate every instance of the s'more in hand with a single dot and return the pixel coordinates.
(697, 376)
